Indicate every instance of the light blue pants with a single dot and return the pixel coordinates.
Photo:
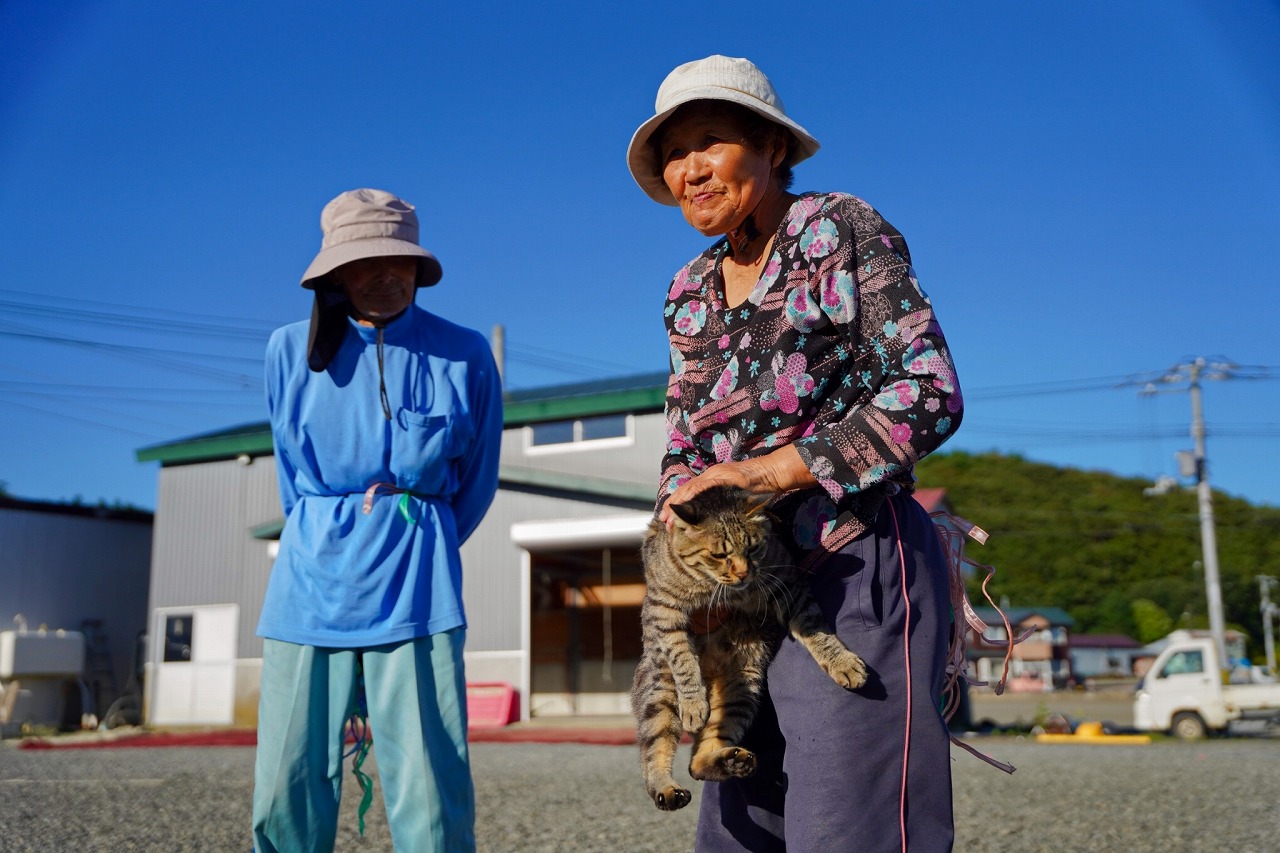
(416, 694)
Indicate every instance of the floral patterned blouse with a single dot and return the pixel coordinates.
(835, 350)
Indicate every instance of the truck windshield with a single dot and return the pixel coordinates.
(1181, 663)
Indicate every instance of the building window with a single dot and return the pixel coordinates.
(579, 433)
(177, 639)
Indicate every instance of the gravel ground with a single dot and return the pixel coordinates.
(1220, 795)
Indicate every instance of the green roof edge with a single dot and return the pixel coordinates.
(595, 486)
(256, 440)
(610, 402)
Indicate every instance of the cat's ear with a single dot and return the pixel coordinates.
(687, 513)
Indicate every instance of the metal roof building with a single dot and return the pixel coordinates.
(552, 579)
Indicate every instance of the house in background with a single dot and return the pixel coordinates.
(73, 604)
(1040, 662)
(1103, 655)
(552, 577)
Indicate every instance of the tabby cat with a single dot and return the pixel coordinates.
(722, 556)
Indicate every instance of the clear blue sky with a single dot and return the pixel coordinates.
(1091, 193)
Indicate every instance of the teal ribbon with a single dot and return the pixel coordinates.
(358, 720)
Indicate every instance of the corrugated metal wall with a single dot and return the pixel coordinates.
(204, 552)
(59, 570)
(492, 565)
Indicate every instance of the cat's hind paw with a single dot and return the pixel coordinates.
(848, 670)
(671, 797)
(728, 763)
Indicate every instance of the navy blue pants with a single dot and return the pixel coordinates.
(830, 773)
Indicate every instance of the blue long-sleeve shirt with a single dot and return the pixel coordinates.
(345, 579)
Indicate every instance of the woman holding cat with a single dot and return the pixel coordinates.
(806, 361)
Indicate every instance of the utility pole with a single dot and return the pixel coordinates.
(1193, 373)
(1270, 611)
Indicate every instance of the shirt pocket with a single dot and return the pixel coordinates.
(425, 448)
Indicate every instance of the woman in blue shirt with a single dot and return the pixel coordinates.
(387, 422)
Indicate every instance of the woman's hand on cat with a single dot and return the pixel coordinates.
(774, 473)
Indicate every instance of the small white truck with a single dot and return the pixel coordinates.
(1186, 692)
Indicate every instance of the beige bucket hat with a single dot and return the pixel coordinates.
(368, 223)
(358, 224)
(716, 78)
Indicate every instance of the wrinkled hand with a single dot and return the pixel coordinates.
(774, 473)
(744, 474)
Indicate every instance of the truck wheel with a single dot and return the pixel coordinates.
(1187, 725)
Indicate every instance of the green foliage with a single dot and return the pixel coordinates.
(1151, 620)
(1093, 544)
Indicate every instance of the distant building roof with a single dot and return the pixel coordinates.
(1017, 615)
(932, 500)
(76, 509)
(644, 392)
(1103, 641)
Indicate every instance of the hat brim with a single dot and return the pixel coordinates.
(643, 162)
(328, 260)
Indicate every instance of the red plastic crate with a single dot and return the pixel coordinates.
(491, 705)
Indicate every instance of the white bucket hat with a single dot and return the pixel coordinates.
(369, 224)
(716, 78)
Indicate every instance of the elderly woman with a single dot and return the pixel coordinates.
(806, 361)
(387, 422)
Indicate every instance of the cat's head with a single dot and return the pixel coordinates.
(723, 532)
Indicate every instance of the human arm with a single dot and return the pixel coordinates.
(897, 377)
(274, 381)
(478, 467)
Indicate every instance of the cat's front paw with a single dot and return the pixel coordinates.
(693, 713)
(848, 670)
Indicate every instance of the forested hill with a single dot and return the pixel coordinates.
(1094, 545)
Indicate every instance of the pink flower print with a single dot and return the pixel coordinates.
(931, 404)
(727, 382)
(723, 447)
(898, 396)
(722, 418)
(684, 283)
(922, 359)
(814, 521)
(820, 239)
(723, 343)
(767, 278)
(691, 317)
(900, 433)
(839, 298)
(791, 382)
(888, 244)
(802, 312)
(801, 211)
(676, 439)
